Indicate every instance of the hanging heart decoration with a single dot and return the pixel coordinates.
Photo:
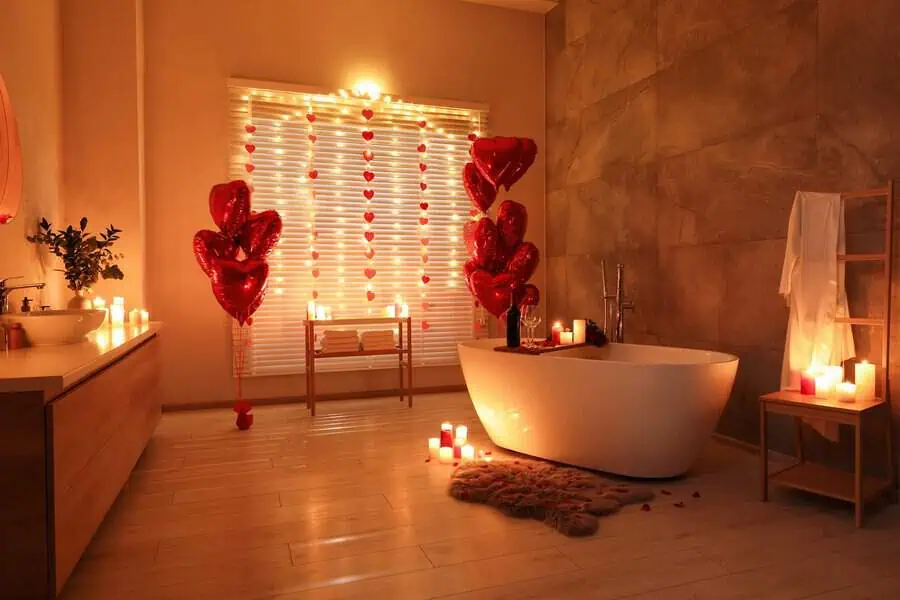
(369, 216)
(312, 137)
(311, 117)
(313, 174)
(368, 176)
(368, 193)
(369, 273)
(251, 129)
(368, 155)
(370, 296)
(249, 167)
(422, 150)
(250, 148)
(368, 135)
(367, 114)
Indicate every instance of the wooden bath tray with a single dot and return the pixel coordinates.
(538, 350)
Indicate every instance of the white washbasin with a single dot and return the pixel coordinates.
(55, 327)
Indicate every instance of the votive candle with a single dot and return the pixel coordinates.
(846, 392)
(457, 449)
(134, 316)
(556, 333)
(468, 452)
(434, 447)
(446, 435)
(445, 454)
(808, 381)
(565, 338)
(145, 317)
(579, 331)
(462, 433)
(865, 381)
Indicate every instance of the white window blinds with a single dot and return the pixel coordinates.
(336, 177)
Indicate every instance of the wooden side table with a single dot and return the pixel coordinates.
(853, 486)
(403, 351)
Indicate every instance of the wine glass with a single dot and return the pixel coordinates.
(531, 319)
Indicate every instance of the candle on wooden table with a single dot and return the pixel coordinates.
(556, 332)
(808, 381)
(404, 311)
(320, 313)
(468, 452)
(311, 310)
(446, 435)
(846, 392)
(565, 338)
(446, 454)
(824, 386)
(579, 331)
(390, 311)
(865, 381)
(462, 433)
(434, 447)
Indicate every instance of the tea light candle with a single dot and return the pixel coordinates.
(865, 381)
(311, 310)
(445, 454)
(468, 452)
(565, 338)
(556, 332)
(434, 447)
(462, 433)
(446, 435)
(579, 331)
(145, 317)
(846, 392)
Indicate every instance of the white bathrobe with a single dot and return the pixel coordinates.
(812, 282)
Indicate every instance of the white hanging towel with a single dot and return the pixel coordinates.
(812, 282)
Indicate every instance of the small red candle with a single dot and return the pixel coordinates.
(808, 382)
(457, 451)
(554, 333)
(446, 435)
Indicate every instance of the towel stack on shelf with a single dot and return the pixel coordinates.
(335, 340)
(378, 340)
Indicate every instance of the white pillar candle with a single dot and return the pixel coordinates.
(865, 381)
(100, 304)
(846, 392)
(134, 317)
(145, 316)
(328, 313)
(468, 452)
(579, 331)
(404, 311)
(119, 300)
(434, 447)
(311, 310)
(462, 433)
(320, 313)
(117, 315)
(391, 311)
(824, 386)
(446, 454)
(565, 338)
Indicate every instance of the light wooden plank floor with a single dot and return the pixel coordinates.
(345, 506)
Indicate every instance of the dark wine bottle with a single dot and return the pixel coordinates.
(512, 326)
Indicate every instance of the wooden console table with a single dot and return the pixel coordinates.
(403, 351)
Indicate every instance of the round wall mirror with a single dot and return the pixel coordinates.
(10, 159)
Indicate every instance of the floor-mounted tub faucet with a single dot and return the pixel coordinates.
(621, 303)
(6, 289)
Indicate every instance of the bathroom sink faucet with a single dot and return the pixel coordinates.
(6, 289)
(621, 303)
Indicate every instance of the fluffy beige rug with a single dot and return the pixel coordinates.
(565, 498)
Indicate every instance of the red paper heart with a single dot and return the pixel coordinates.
(481, 191)
(250, 128)
(370, 296)
(260, 234)
(423, 167)
(424, 259)
(369, 216)
(423, 221)
(315, 255)
(368, 113)
(425, 326)
(425, 279)
(523, 262)
(315, 273)
(311, 117)
(315, 294)
(423, 186)
(512, 222)
(313, 174)
(368, 135)
(229, 206)
(312, 138)
(503, 160)
(486, 244)
(422, 123)
(493, 292)
(368, 155)
(368, 175)
(250, 148)
(210, 246)
(426, 305)
(425, 241)
(369, 235)
(369, 194)
(249, 167)
(423, 205)
(370, 253)
(421, 147)
(369, 272)
(239, 286)
(472, 137)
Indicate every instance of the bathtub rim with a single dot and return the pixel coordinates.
(719, 357)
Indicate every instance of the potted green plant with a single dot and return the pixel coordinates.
(86, 257)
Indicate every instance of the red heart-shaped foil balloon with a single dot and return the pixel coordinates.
(512, 222)
(210, 246)
(239, 285)
(523, 262)
(469, 267)
(481, 191)
(531, 296)
(494, 292)
(260, 234)
(503, 160)
(229, 206)
(486, 244)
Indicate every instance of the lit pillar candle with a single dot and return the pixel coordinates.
(100, 304)
(824, 386)
(565, 338)
(446, 435)
(808, 381)
(468, 452)
(457, 449)
(145, 317)
(556, 332)
(434, 447)
(390, 310)
(462, 433)
(134, 317)
(445, 454)
(404, 311)
(117, 312)
(865, 381)
(846, 392)
(579, 331)
(311, 310)
(320, 313)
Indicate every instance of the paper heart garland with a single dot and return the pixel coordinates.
(229, 206)
(369, 235)
(239, 285)
(368, 135)
(370, 296)
(503, 160)
(210, 246)
(512, 222)
(481, 191)
(368, 113)
(369, 273)
(260, 234)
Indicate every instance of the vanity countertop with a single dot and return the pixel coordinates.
(54, 369)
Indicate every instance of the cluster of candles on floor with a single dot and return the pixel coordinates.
(453, 446)
(827, 382)
(562, 336)
(115, 312)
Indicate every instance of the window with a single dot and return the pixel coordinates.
(305, 155)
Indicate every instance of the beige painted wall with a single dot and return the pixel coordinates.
(415, 48)
(29, 61)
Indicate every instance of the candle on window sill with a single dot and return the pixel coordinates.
(824, 386)
(556, 333)
(462, 433)
(846, 392)
(468, 452)
(434, 447)
(565, 338)
(579, 331)
(446, 454)
(446, 435)
(865, 381)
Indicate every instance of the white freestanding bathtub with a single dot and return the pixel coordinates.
(639, 411)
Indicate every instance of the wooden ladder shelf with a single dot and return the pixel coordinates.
(852, 486)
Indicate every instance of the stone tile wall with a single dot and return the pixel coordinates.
(677, 134)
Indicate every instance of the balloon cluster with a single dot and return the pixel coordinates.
(238, 282)
(501, 261)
